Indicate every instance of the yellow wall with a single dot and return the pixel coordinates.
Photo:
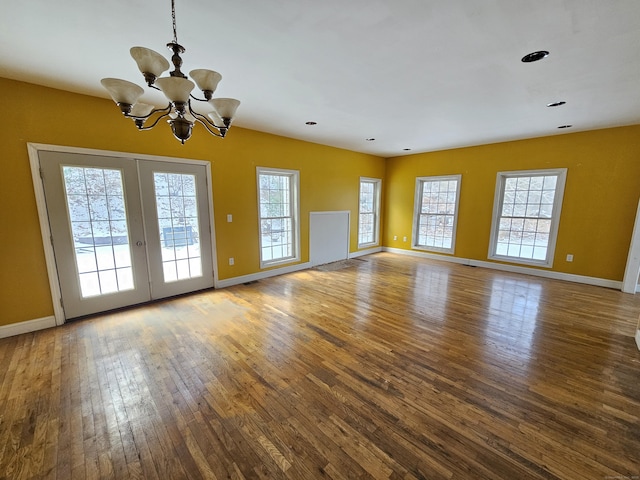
(600, 200)
(329, 180)
(601, 195)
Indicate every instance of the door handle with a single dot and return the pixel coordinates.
(138, 243)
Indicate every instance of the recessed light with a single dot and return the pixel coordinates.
(535, 56)
(311, 123)
(370, 139)
(565, 126)
(555, 104)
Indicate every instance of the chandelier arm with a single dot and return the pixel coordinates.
(198, 99)
(204, 120)
(201, 119)
(149, 127)
(205, 125)
(136, 117)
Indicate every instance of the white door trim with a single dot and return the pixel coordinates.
(632, 270)
(38, 187)
(52, 273)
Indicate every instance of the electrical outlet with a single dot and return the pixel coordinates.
(395, 237)
(404, 239)
(231, 261)
(229, 218)
(569, 258)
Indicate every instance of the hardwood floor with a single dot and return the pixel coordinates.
(397, 368)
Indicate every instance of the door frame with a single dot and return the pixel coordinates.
(632, 269)
(47, 238)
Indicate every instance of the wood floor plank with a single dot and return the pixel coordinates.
(395, 368)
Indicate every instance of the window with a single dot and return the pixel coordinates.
(436, 213)
(369, 212)
(279, 219)
(526, 216)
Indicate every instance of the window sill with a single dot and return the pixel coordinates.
(362, 246)
(522, 261)
(279, 263)
(448, 251)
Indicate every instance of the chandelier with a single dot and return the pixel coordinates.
(177, 88)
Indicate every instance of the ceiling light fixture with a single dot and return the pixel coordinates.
(177, 88)
(310, 123)
(535, 56)
(369, 139)
(565, 126)
(555, 104)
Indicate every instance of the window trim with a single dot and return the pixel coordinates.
(555, 215)
(376, 213)
(294, 196)
(417, 201)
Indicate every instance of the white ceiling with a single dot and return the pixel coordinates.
(420, 74)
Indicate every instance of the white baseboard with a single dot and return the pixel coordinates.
(27, 327)
(432, 256)
(569, 277)
(362, 253)
(638, 338)
(228, 282)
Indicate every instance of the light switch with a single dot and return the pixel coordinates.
(229, 218)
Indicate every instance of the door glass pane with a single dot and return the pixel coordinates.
(95, 202)
(176, 201)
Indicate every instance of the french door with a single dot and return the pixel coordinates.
(126, 231)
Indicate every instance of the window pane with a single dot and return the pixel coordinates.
(536, 183)
(435, 220)
(98, 207)
(523, 183)
(521, 197)
(550, 182)
(546, 211)
(125, 278)
(108, 281)
(78, 208)
(525, 222)
(533, 211)
(507, 210)
(368, 212)
(534, 197)
(510, 184)
(276, 216)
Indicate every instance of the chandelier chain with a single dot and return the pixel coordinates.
(173, 18)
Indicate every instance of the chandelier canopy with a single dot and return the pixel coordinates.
(177, 88)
